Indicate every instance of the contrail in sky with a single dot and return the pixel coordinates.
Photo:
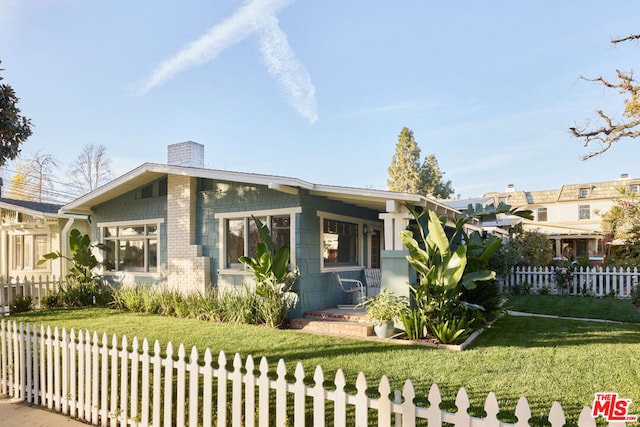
(256, 17)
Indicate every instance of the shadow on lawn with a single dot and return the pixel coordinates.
(531, 332)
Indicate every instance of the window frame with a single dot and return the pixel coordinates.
(581, 212)
(546, 214)
(584, 193)
(147, 269)
(28, 263)
(359, 242)
(223, 246)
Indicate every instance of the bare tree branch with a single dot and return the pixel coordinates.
(613, 130)
(624, 39)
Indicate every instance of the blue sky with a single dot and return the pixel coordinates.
(321, 90)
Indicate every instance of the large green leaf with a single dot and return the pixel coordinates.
(437, 234)
(469, 280)
(280, 262)
(454, 269)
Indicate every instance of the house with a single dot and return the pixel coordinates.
(184, 226)
(571, 215)
(28, 230)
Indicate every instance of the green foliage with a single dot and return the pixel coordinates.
(21, 304)
(452, 330)
(622, 231)
(384, 306)
(274, 279)
(82, 257)
(407, 175)
(14, 128)
(404, 171)
(432, 181)
(414, 323)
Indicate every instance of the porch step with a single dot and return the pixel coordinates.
(348, 323)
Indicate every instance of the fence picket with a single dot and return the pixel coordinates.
(523, 412)
(250, 393)
(236, 392)
(597, 281)
(462, 418)
(75, 373)
(193, 370)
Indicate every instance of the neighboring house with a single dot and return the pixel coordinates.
(572, 215)
(28, 230)
(184, 226)
(495, 224)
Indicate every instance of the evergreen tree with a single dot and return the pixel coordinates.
(431, 179)
(14, 128)
(404, 172)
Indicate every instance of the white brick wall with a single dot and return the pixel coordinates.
(188, 270)
(186, 153)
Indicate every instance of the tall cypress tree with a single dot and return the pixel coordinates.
(404, 172)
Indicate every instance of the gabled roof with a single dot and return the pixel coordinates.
(149, 172)
(29, 207)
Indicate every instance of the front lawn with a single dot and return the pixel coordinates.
(542, 359)
(583, 307)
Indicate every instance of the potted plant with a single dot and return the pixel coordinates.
(382, 310)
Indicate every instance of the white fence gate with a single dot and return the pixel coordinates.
(34, 287)
(595, 281)
(82, 376)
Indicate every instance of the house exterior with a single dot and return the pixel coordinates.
(184, 226)
(571, 215)
(28, 230)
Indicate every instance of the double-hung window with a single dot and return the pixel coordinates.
(132, 246)
(27, 250)
(542, 214)
(584, 212)
(240, 237)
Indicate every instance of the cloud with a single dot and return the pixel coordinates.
(282, 64)
(256, 17)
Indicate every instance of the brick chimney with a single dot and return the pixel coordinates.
(188, 153)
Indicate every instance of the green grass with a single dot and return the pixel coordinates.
(543, 359)
(581, 307)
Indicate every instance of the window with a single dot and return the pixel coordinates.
(584, 212)
(502, 200)
(147, 192)
(542, 214)
(241, 235)
(339, 243)
(132, 247)
(584, 193)
(28, 249)
(633, 188)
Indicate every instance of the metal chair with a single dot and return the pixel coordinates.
(351, 286)
(373, 279)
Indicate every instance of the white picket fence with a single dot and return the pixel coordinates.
(595, 281)
(82, 376)
(35, 287)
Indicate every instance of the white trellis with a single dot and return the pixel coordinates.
(83, 376)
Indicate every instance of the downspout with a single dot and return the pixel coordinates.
(64, 246)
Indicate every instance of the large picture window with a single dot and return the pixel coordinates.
(241, 235)
(131, 246)
(27, 250)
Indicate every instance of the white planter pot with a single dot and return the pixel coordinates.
(384, 328)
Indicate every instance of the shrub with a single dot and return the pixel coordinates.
(21, 304)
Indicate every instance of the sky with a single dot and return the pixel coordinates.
(320, 91)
